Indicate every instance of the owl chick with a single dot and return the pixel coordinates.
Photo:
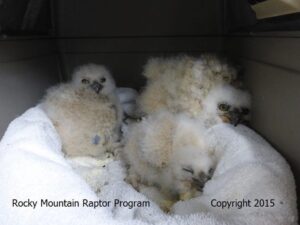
(226, 104)
(179, 84)
(169, 152)
(86, 112)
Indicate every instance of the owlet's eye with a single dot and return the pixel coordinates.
(189, 170)
(224, 107)
(245, 111)
(103, 79)
(211, 171)
(85, 81)
(226, 78)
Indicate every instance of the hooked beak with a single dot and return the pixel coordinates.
(235, 117)
(199, 182)
(96, 86)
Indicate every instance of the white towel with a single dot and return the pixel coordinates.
(249, 169)
(32, 167)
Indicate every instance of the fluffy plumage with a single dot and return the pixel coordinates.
(86, 112)
(169, 151)
(227, 104)
(179, 84)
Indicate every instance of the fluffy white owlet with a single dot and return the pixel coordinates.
(169, 152)
(86, 112)
(226, 104)
(179, 84)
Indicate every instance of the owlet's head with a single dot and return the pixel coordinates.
(95, 78)
(228, 104)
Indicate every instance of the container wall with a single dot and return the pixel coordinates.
(27, 69)
(115, 18)
(272, 73)
(124, 34)
(126, 57)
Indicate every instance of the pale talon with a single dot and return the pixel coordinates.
(166, 205)
(185, 196)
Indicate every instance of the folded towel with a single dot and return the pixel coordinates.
(33, 168)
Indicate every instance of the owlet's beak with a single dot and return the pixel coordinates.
(200, 181)
(96, 86)
(233, 117)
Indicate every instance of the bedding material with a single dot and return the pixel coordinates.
(39, 186)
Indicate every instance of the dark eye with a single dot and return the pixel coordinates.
(103, 79)
(226, 78)
(223, 107)
(245, 111)
(85, 81)
(189, 170)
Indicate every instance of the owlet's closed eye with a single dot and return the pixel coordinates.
(211, 173)
(188, 169)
